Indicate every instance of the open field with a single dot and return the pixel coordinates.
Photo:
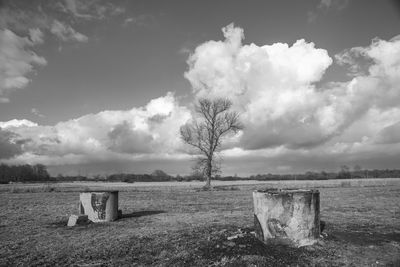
(177, 225)
(76, 186)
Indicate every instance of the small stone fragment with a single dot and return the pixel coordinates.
(77, 219)
(310, 248)
(230, 244)
(235, 236)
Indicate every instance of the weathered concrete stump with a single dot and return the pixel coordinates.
(287, 216)
(100, 206)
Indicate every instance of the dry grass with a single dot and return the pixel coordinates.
(179, 226)
(34, 189)
(76, 186)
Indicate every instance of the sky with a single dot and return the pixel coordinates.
(97, 87)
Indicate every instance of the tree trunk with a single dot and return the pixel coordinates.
(208, 182)
(208, 174)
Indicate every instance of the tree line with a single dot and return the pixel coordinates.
(161, 176)
(23, 173)
(364, 174)
(38, 173)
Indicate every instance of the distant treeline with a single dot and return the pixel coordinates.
(160, 176)
(38, 172)
(156, 176)
(23, 173)
(328, 175)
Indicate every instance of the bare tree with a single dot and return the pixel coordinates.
(206, 133)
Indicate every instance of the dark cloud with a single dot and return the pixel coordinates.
(170, 166)
(158, 118)
(125, 139)
(389, 135)
(9, 147)
(297, 135)
(22, 15)
(301, 161)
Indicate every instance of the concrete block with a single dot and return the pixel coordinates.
(288, 216)
(100, 206)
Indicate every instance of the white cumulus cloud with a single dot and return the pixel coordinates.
(36, 35)
(152, 130)
(273, 86)
(67, 33)
(14, 123)
(17, 61)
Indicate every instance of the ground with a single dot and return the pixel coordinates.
(179, 225)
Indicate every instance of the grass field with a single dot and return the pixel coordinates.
(177, 225)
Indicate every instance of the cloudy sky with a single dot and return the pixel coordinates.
(104, 86)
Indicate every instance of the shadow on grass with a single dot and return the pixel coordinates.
(141, 213)
(63, 223)
(364, 238)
